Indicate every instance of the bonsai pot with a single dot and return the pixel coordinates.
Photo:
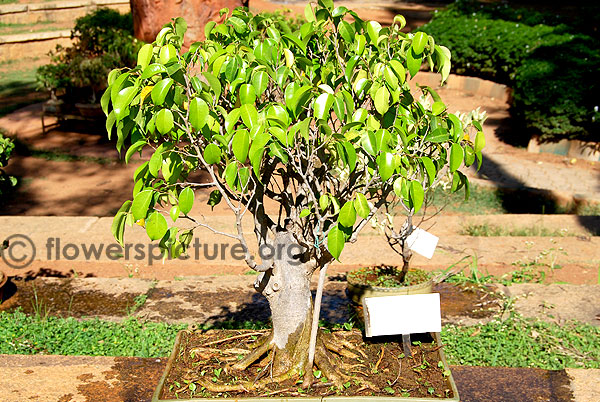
(358, 289)
(90, 110)
(3, 279)
(180, 366)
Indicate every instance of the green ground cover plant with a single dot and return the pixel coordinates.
(509, 343)
(490, 230)
(551, 66)
(497, 343)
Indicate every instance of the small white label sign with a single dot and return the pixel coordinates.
(407, 314)
(422, 242)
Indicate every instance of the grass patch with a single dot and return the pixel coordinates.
(489, 230)
(481, 201)
(18, 89)
(514, 342)
(521, 342)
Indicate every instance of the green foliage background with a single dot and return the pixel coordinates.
(551, 66)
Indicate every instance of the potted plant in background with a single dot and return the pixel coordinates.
(317, 121)
(76, 76)
(441, 169)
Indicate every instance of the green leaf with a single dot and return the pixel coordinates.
(299, 99)
(479, 141)
(214, 198)
(249, 115)
(323, 202)
(247, 94)
(144, 56)
(347, 215)
(437, 108)
(413, 62)
(419, 41)
(456, 156)
(152, 70)
(322, 106)
(212, 154)
(164, 121)
(260, 81)
(350, 155)
(122, 100)
(133, 149)
(417, 195)
(214, 83)
(390, 78)
(385, 162)
(156, 226)
(335, 242)
(160, 91)
(382, 100)
(240, 145)
(174, 212)
(438, 135)
(309, 13)
(369, 143)
(361, 205)
(399, 70)
(141, 203)
(231, 119)
(198, 113)
(244, 176)
(166, 53)
(186, 200)
(231, 172)
(373, 28)
(346, 31)
(429, 168)
(304, 212)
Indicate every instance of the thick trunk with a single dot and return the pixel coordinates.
(287, 288)
(150, 15)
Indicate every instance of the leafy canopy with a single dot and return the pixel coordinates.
(320, 120)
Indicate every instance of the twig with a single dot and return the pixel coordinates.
(232, 338)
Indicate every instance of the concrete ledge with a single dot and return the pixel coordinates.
(22, 8)
(63, 11)
(34, 36)
(468, 85)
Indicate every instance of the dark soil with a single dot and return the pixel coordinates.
(62, 300)
(205, 355)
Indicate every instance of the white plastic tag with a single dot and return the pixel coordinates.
(422, 242)
(408, 314)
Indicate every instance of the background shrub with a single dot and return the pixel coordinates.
(103, 41)
(6, 181)
(550, 66)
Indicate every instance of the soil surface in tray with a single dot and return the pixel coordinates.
(206, 356)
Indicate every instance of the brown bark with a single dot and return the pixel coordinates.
(150, 15)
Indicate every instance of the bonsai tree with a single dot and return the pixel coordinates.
(398, 237)
(319, 122)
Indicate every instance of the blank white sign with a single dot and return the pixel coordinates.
(422, 242)
(408, 314)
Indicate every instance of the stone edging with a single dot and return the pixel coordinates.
(23, 8)
(34, 36)
(469, 85)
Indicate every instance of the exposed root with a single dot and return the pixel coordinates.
(246, 385)
(336, 371)
(256, 354)
(232, 338)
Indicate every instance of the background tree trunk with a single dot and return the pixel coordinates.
(150, 15)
